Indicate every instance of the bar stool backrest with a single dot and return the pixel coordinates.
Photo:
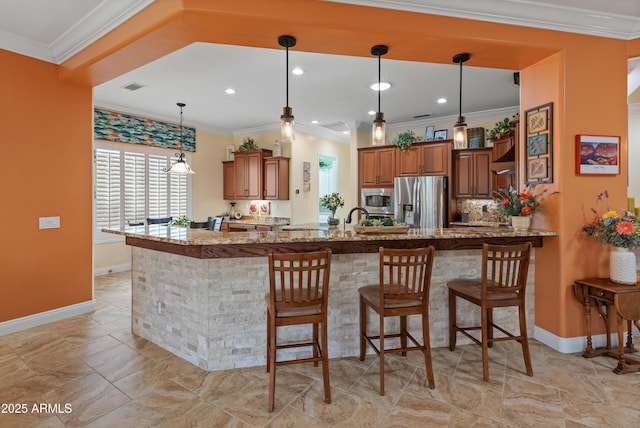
(406, 273)
(505, 268)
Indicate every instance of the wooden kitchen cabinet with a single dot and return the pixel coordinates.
(472, 176)
(245, 175)
(228, 180)
(276, 178)
(500, 147)
(376, 166)
(424, 159)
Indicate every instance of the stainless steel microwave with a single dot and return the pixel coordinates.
(378, 201)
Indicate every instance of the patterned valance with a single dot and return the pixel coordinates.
(112, 126)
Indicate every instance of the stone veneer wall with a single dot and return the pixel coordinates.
(212, 312)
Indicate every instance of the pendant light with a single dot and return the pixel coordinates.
(460, 128)
(180, 166)
(287, 129)
(379, 126)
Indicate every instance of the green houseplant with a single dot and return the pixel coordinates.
(248, 144)
(501, 129)
(405, 139)
(182, 221)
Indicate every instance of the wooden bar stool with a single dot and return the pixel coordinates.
(403, 289)
(298, 294)
(503, 284)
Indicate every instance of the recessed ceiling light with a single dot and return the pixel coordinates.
(345, 132)
(297, 71)
(383, 86)
(442, 100)
(230, 91)
(372, 112)
(315, 122)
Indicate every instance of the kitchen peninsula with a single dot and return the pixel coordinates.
(200, 294)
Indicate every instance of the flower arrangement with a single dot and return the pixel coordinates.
(515, 204)
(617, 228)
(332, 202)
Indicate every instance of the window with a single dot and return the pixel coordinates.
(130, 184)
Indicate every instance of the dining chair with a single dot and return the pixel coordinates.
(502, 285)
(298, 294)
(202, 225)
(403, 289)
(218, 223)
(160, 220)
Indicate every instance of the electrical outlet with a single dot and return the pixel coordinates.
(159, 307)
(49, 222)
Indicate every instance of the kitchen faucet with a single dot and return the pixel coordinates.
(366, 214)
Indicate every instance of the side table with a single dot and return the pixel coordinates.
(603, 294)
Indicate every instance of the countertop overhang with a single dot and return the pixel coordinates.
(205, 244)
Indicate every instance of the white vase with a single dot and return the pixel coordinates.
(521, 222)
(622, 266)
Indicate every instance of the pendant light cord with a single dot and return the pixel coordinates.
(460, 103)
(379, 78)
(287, 74)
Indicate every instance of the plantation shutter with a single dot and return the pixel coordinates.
(134, 188)
(107, 188)
(158, 187)
(179, 195)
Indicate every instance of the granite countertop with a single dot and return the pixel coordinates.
(275, 221)
(479, 223)
(312, 233)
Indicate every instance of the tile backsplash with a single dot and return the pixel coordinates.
(475, 209)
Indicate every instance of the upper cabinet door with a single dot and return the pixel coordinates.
(376, 166)
(409, 161)
(436, 159)
(228, 180)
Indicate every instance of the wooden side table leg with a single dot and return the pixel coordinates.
(588, 353)
(621, 361)
(629, 336)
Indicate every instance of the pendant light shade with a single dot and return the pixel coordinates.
(460, 128)
(378, 130)
(180, 166)
(287, 129)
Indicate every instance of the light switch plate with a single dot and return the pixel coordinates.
(50, 222)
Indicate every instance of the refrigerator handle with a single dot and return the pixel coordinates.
(417, 202)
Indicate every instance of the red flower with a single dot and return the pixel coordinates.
(625, 228)
(524, 196)
(525, 211)
(506, 202)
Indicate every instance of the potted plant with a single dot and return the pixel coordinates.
(332, 202)
(405, 139)
(248, 144)
(520, 206)
(226, 215)
(182, 221)
(621, 230)
(501, 129)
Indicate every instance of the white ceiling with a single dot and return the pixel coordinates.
(334, 89)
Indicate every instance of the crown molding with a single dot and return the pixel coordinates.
(523, 13)
(499, 112)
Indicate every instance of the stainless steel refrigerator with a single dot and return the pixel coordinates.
(421, 201)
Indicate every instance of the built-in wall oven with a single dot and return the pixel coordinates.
(378, 202)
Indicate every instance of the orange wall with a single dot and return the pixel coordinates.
(46, 146)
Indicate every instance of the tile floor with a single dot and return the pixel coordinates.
(107, 377)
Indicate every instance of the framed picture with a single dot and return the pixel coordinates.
(597, 154)
(440, 134)
(538, 141)
(428, 133)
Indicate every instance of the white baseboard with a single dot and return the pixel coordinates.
(112, 269)
(18, 324)
(570, 345)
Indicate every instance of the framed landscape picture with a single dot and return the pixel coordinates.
(428, 133)
(597, 155)
(538, 144)
(440, 134)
